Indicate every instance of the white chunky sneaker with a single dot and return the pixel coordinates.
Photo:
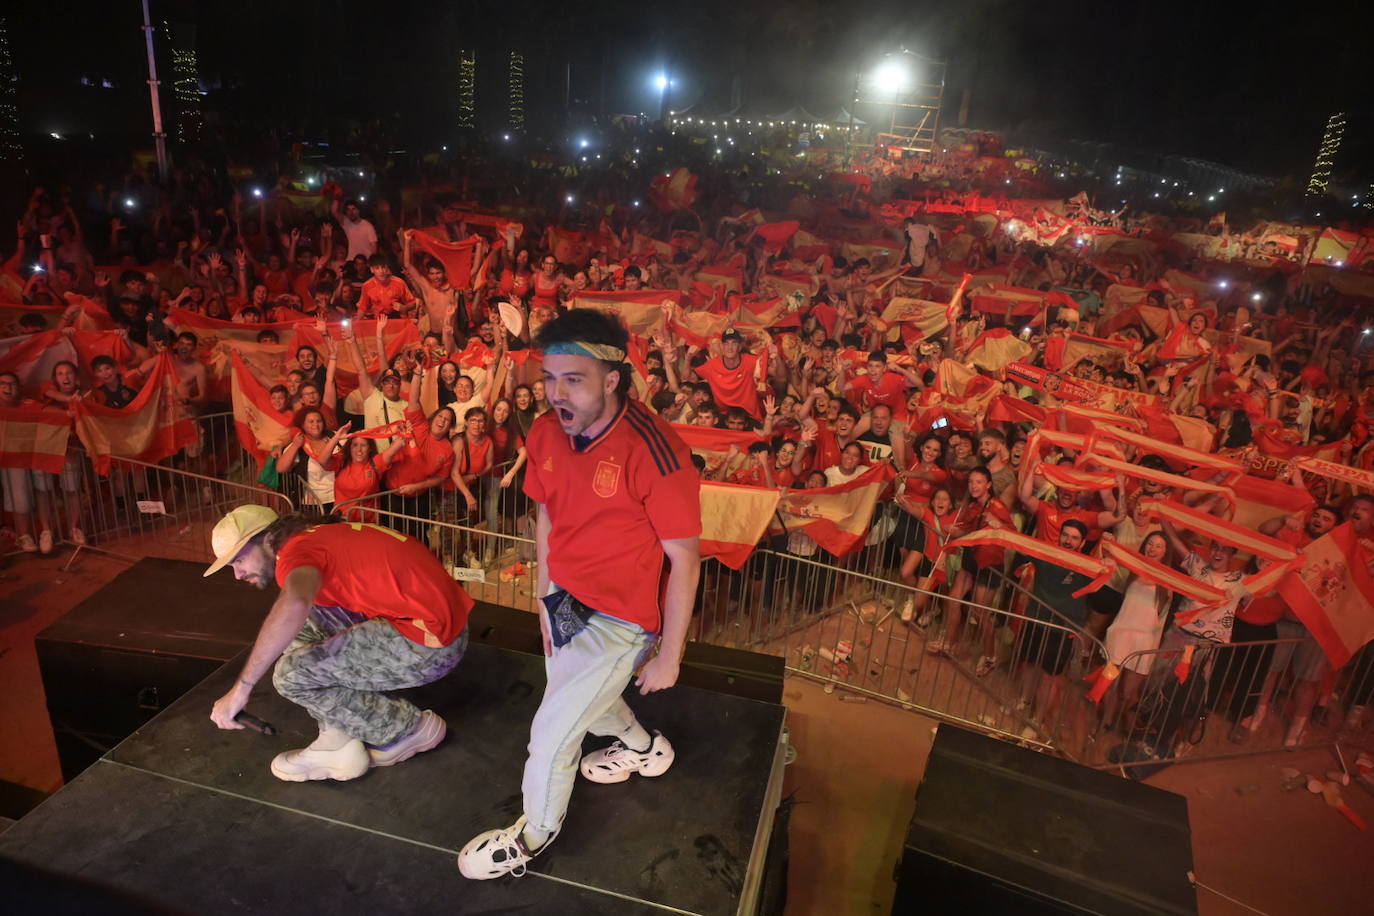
(428, 732)
(333, 755)
(498, 852)
(45, 542)
(27, 543)
(617, 762)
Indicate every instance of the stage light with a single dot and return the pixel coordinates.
(257, 192)
(362, 198)
(38, 268)
(360, 175)
(1339, 264)
(569, 198)
(129, 203)
(584, 142)
(505, 136)
(584, 158)
(1211, 197)
(1255, 297)
(636, 151)
(1223, 284)
(891, 76)
(717, 150)
(444, 148)
(55, 135)
(636, 203)
(598, 155)
(310, 181)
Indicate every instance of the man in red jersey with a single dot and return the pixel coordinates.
(617, 493)
(734, 376)
(362, 609)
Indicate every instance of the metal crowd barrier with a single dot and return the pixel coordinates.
(138, 509)
(1233, 699)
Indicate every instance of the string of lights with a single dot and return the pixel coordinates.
(467, 88)
(515, 102)
(1326, 155)
(10, 150)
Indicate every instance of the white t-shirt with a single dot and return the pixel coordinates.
(918, 237)
(362, 237)
(835, 475)
(378, 410)
(1216, 624)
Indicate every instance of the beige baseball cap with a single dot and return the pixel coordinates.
(234, 531)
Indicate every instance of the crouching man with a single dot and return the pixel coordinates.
(362, 610)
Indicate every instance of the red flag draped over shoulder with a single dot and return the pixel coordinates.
(837, 517)
(260, 428)
(733, 518)
(34, 437)
(155, 425)
(1333, 594)
(457, 257)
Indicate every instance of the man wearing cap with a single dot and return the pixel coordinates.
(734, 376)
(617, 493)
(362, 610)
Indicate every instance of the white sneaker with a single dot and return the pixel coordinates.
(27, 544)
(617, 762)
(45, 542)
(428, 732)
(349, 761)
(78, 537)
(498, 852)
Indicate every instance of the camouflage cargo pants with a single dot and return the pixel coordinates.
(341, 661)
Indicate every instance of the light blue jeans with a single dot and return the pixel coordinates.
(585, 681)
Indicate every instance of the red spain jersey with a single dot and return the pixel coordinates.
(378, 572)
(890, 391)
(735, 387)
(610, 503)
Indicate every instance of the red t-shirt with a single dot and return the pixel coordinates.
(611, 502)
(735, 387)
(890, 391)
(1261, 611)
(477, 459)
(381, 298)
(975, 517)
(422, 459)
(378, 572)
(358, 479)
(1049, 519)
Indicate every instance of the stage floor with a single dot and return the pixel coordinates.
(188, 817)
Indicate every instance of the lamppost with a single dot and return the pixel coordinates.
(663, 82)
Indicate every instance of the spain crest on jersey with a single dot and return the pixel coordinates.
(606, 480)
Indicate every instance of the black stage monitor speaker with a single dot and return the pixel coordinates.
(1001, 829)
(121, 656)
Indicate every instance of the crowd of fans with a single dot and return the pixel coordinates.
(830, 391)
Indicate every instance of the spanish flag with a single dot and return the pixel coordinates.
(457, 257)
(1333, 594)
(642, 310)
(154, 426)
(260, 428)
(733, 519)
(34, 438)
(837, 518)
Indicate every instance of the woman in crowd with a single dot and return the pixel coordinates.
(1137, 629)
(360, 473)
(310, 458)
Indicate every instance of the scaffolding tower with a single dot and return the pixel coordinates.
(906, 90)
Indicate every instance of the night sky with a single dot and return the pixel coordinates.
(1247, 85)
